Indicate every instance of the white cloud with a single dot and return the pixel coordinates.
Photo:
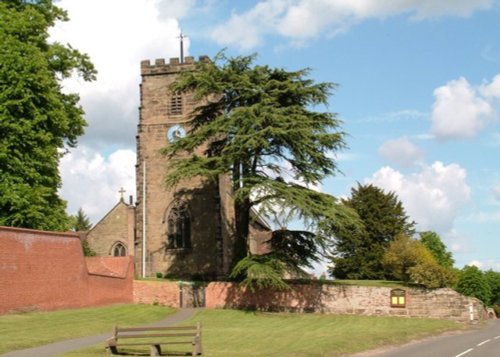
(300, 20)
(175, 9)
(485, 265)
(459, 110)
(491, 90)
(120, 34)
(432, 197)
(91, 181)
(401, 151)
(245, 31)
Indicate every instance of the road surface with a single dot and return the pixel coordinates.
(483, 342)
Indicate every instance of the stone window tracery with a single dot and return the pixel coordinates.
(179, 227)
(119, 250)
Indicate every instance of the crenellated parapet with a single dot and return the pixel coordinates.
(174, 65)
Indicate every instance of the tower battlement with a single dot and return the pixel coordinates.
(174, 65)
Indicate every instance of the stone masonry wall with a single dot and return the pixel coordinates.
(343, 299)
(338, 299)
(116, 226)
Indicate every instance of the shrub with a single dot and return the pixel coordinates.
(472, 282)
(404, 253)
(432, 275)
(159, 275)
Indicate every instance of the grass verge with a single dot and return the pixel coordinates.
(237, 333)
(20, 331)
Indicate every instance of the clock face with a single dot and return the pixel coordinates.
(176, 132)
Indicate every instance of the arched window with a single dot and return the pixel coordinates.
(178, 227)
(119, 250)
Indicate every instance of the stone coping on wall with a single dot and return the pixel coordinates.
(114, 267)
(27, 231)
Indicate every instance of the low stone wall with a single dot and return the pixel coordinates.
(324, 298)
(345, 299)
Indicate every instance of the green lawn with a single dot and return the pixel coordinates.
(237, 333)
(19, 331)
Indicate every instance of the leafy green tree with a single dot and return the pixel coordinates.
(493, 280)
(432, 275)
(257, 126)
(472, 282)
(80, 221)
(438, 249)
(358, 254)
(37, 120)
(404, 253)
(409, 260)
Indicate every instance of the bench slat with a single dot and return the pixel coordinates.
(146, 335)
(127, 334)
(152, 343)
(132, 329)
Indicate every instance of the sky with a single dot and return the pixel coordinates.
(418, 96)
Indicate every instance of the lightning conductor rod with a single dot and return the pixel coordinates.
(144, 211)
(182, 37)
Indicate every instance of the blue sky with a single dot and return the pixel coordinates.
(419, 95)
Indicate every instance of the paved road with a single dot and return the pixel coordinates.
(58, 348)
(476, 343)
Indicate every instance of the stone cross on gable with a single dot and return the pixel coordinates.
(121, 191)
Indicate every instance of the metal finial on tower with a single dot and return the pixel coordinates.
(182, 37)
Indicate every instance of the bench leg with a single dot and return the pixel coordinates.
(155, 350)
(112, 349)
(197, 349)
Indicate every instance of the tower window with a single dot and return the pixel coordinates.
(179, 227)
(175, 107)
(119, 250)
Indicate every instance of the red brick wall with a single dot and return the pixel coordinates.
(110, 280)
(47, 271)
(156, 292)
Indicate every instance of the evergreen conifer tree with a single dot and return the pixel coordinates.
(359, 253)
(259, 128)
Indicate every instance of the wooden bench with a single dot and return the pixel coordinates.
(155, 337)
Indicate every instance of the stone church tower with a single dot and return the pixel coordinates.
(182, 232)
(185, 231)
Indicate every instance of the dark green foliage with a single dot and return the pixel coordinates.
(258, 128)
(472, 282)
(493, 280)
(87, 250)
(260, 272)
(80, 221)
(433, 242)
(37, 120)
(358, 253)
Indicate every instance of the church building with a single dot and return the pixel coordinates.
(183, 232)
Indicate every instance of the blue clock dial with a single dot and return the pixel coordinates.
(175, 133)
